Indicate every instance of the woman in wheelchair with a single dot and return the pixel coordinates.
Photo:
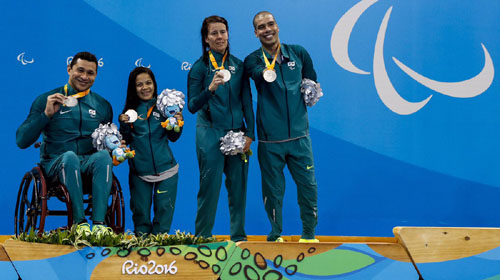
(153, 171)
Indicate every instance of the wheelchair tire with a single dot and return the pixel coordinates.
(115, 215)
(29, 204)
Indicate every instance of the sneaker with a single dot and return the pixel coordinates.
(279, 239)
(100, 230)
(83, 228)
(303, 240)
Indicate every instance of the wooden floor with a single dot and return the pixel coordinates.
(413, 253)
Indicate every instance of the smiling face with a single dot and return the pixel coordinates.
(266, 29)
(144, 86)
(82, 74)
(217, 37)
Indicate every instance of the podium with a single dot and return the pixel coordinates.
(413, 253)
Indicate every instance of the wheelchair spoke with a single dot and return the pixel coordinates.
(28, 206)
(21, 218)
(24, 207)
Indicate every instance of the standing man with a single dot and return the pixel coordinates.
(66, 117)
(282, 125)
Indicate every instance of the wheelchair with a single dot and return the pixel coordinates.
(32, 203)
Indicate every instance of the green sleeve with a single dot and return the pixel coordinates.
(198, 94)
(307, 68)
(246, 98)
(126, 132)
(32, 127)
(110, 112)
(254, 67)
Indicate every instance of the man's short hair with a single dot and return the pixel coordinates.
(84, 56)
(259, 14)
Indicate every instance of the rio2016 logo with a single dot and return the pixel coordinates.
(390, 97)
(131, 268)
(100, 62)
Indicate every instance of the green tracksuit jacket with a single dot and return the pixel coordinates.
(230, 106)
(69, 129)
(281, 111)
(150, 141)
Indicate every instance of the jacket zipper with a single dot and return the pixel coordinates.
(151, 145)
(80, 129)
(230, 93)
(230, 109)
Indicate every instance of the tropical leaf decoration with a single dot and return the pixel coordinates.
(125, 240)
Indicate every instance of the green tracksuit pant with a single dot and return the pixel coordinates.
(96, 168)
(297, 154)
(212, 163)
(142, 194)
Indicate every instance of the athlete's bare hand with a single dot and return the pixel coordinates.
(216, 81)
(54, 103)
(179, 116)
(124, 118)
(248, 142)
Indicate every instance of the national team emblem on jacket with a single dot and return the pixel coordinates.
(92, 113)
(291, 65)
(232, 69)
(156, 115)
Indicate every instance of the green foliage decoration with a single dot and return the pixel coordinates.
(125, 240)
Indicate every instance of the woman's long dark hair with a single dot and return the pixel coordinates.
(132, 99)
(204, 34)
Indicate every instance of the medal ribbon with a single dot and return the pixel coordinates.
(270, 66)
(214, 63)
(149, 113)
(76, 95)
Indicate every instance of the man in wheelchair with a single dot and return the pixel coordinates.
(66, 117)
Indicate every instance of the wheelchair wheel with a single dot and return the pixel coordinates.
(115, 216)
(28, 210)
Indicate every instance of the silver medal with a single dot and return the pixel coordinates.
(227, 75)
(71, 101)
(132, 115)
(270, 75)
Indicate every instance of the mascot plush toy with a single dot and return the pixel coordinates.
(169, 103)
(107, 137)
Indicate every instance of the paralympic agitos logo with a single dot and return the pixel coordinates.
(390, 97)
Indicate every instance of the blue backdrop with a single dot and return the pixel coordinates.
(406, 133)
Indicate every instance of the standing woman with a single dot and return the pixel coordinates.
(219, 91)
(153, 171)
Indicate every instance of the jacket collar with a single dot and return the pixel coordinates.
(283, 52)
